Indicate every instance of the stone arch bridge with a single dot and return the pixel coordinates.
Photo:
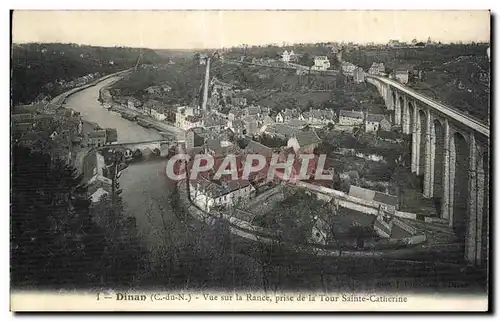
(163, 147)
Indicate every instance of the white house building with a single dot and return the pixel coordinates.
(181, 114)
(158, 115)
(321, 63)
(288, 56)
(208, 194)
(318, 117)
(279, 118)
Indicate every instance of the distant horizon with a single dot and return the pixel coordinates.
(210, 29)
(241, 46)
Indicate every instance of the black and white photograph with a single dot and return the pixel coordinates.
(231, 160)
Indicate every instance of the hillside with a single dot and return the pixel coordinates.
(37, 70)
(457, 75)
(184, 78)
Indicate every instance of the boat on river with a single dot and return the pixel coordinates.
(128, 116)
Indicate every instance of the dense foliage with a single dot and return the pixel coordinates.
(185, 79)
(56, 240)
(36, 68)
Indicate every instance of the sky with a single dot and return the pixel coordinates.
(218, 29)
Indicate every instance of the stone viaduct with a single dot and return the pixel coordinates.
(450, 150)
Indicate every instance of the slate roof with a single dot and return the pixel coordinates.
(374, 118)
(307, 138)
(211, 121)
(258, 148)
(193, 119)
(297, 123)
(282, 129)
(351, 114)
(268, 120)
(98, 134)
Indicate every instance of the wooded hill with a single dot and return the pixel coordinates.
(36, 68)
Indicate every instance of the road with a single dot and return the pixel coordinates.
(145, 189)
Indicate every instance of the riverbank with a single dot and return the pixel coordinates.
(61, 99)
(154, 123)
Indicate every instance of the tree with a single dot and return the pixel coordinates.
(306, 60)
(54, 241)
(57, 240)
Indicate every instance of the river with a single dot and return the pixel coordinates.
(145, 188)
(146, 197)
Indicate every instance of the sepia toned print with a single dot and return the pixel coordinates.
(195, 160)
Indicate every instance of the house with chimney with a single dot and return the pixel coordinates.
(351, 117)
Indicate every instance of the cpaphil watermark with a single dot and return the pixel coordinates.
(292, 167)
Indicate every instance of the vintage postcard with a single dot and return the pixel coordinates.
(250, 160)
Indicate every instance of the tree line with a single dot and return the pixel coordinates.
(37, 67)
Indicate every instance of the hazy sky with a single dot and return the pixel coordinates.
(215, 29)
